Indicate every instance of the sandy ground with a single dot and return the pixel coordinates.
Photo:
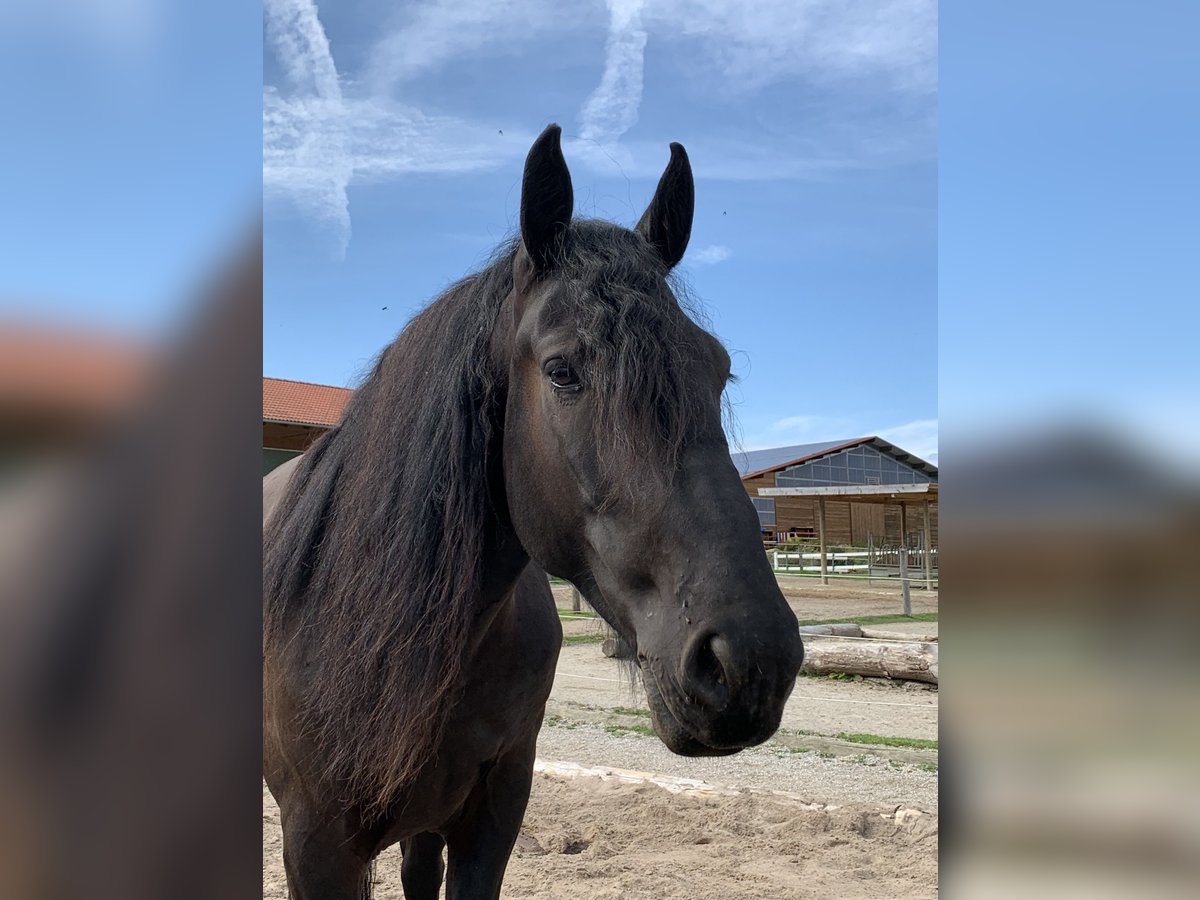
(837, 836)
(856, 775)
(584, 838)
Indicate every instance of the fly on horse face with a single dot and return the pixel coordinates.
(556, 412)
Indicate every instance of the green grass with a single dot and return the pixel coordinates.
(568, 615)
(881, 740)
(644, 730)
(784, 749)
(569, 639)
(629, 711)
(874, 620)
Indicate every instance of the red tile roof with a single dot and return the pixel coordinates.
(303, 403)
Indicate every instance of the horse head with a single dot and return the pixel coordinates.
(616, 469)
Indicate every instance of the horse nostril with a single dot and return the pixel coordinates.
(708, 669)
(706, 663)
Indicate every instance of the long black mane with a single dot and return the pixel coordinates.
(375, 554)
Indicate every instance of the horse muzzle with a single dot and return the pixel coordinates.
(714, 697)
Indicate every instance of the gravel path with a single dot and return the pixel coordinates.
(862, 778)
(585, 676)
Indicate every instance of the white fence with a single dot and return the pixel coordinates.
(873, 564)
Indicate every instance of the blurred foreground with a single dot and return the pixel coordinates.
(1072, 717)
(130, 663)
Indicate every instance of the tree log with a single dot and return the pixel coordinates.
(882, 634)
(846, 630)
(908, 660)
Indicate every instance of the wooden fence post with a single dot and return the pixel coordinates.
(824, 553)
(928, 550)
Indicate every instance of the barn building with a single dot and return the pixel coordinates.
(857, 493)
(296, 413)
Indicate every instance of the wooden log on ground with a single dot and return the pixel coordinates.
(615, 648)
(842, 630)
(882, 634)
(907, 660)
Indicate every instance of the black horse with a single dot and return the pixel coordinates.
(556, 412)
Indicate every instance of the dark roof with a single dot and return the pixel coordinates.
(759, 462)
(303, 403)
(748, 461)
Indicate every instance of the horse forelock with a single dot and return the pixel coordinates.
(647, 356)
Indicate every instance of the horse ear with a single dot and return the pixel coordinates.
(667, 221)
(546, 199)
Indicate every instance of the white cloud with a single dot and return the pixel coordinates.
(756, 42)
(305, 132)
(748, 43)
(710, 255)
(316, 140)
(322, 132)
(919, 437)
(432, 33)
(612, 109)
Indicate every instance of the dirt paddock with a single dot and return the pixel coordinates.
(805, 816)
(583, 838)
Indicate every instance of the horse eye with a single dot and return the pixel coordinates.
(562, 376)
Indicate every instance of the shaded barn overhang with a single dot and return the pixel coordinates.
(860, 493)
(903, 495)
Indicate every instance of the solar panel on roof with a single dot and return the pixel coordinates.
(748, 461)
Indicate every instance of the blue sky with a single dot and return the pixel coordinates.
(1070, 238)
(1062, 169)
(394, 136)
(128, 166)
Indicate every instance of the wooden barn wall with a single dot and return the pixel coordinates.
(278, 436)
(916, 523)
(846, 523)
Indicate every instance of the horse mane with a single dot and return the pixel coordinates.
(374, 556)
